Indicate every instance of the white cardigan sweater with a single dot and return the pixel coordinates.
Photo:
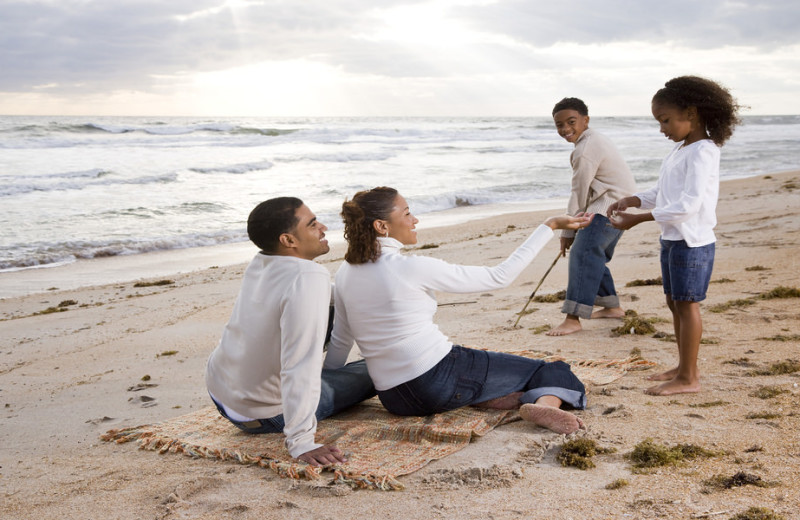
(269, 359)
(387, 307)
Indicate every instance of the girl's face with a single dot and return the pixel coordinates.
(674, 122)
(401, 222)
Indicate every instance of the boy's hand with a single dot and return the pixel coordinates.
(566, 243)
(324, 455)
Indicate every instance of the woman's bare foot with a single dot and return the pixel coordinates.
(669, 375)
(613, 312)
(555, 419)
(507, 402)
(568, 326)
(674, 386)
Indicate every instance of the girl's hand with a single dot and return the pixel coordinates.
(579, 221)
(622, 220)
(622, 205)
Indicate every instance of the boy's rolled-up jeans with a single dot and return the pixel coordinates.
(590, 282)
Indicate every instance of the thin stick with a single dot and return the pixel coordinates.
(706, 515)
(530, 298)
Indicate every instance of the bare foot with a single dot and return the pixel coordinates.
(507, 402)
(669, 375)
(614, 312)
(674, 386)
(555, 419)
(568, 326)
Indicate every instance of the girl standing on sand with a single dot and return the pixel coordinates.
(699, 115)
(384, 300)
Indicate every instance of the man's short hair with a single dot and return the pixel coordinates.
(571, 103)
(270, 219)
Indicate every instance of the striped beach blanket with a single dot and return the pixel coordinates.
(380, 446)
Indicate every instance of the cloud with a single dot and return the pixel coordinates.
(393, 52)
(95, 44)
(710, 23)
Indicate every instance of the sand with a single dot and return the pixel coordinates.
(67, 377)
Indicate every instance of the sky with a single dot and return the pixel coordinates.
(388, 57)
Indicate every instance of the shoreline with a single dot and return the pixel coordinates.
(84, 273)
(127, 268)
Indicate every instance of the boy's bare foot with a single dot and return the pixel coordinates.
(507, 402)
(669, 375)
(568, 326)
(555, 419)
(674, 386)
(613, 312)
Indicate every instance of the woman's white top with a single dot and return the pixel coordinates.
(387, 306)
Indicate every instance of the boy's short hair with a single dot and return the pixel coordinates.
(571, 103)
(270, 219)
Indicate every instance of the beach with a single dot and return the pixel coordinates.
(71, 360)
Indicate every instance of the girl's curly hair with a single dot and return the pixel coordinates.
(359, 214)
(717, 108)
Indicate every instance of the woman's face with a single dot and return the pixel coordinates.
(401, 222)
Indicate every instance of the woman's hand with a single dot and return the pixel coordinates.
(579, 221)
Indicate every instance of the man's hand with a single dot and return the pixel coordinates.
(324, 455)
(566, 243)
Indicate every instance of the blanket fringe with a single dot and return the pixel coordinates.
(383, 483)
(150, 442)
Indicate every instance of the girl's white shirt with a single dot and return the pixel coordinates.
(684, 200)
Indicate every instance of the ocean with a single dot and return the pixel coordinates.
(79, 188)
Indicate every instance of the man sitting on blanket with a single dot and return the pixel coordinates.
(266, 375)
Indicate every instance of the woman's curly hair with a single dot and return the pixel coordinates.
(717, 108)
(359, 214)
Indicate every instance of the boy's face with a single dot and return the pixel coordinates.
(570, 124)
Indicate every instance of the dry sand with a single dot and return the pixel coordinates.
(67, 377)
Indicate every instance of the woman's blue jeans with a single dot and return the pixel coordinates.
(468, 376)
(590, 282)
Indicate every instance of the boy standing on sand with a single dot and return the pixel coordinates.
(600, 177)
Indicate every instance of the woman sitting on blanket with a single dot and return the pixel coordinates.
(384, 300)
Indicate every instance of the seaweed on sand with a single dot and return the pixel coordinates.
(648, 454)
(578, 453)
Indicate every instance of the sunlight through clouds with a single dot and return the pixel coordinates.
(394, 57)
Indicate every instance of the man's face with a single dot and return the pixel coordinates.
(309, 235)
(570, 124)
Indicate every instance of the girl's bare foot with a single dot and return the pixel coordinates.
(555, 419)
(674, 386)
(568, 326)
(669, 375)
(507, 402)
(614, 312)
